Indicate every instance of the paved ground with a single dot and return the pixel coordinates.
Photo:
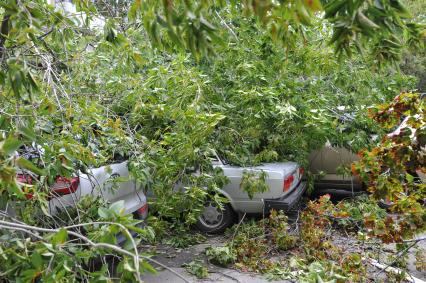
(225, 276)
(175, 258)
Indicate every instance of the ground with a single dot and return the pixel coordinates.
(175, 258)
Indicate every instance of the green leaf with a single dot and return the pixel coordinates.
(314, 5)
(104, 213)
(128, 267)
(108, 169)
(13, 188)
(148, 267)
(117, 207)
(28, 133)
(128, 245)
(36, 260)
(133, 9)
(2, 78)
(138, 58)
(29, 275)
(135, 228)
(32, 81)
(60, 237)
(410, 178)
(397, 5)
(108, 238)
(24, 163)
(333, 7)
(10, 145)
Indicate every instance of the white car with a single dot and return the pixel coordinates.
(98, 182)
(285, 189)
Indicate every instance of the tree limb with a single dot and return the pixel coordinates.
(409, 278)
(28, 229)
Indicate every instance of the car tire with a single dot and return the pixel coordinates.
(213, 220)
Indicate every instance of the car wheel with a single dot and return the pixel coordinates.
(215, 220)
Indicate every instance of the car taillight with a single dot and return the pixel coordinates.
(143, 209)
(65, 186)
(287, 183)
(142, 212)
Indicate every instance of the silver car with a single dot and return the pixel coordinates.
(112, 182)
(285, 190)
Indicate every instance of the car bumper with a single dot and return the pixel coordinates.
(347, 185)
(286, 202)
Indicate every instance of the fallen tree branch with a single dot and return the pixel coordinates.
(398, 255)
(22, 230)
(236, 230)
(415, 240)
(227, 26)
(29, 228)
(398, 271)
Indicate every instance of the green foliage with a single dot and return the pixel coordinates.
(185, 239)
(311, 255)
(253, 242)
(356, 25)
(198, 269)
(349, 214)
(389, 168)
(58, 256)
(420, 256)
(322, 272)
(86, 210)
(354, 267)
(254, 182)
(85, 97)
(354, 211)
(222, 256)
(414, 61)
(279, 231)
